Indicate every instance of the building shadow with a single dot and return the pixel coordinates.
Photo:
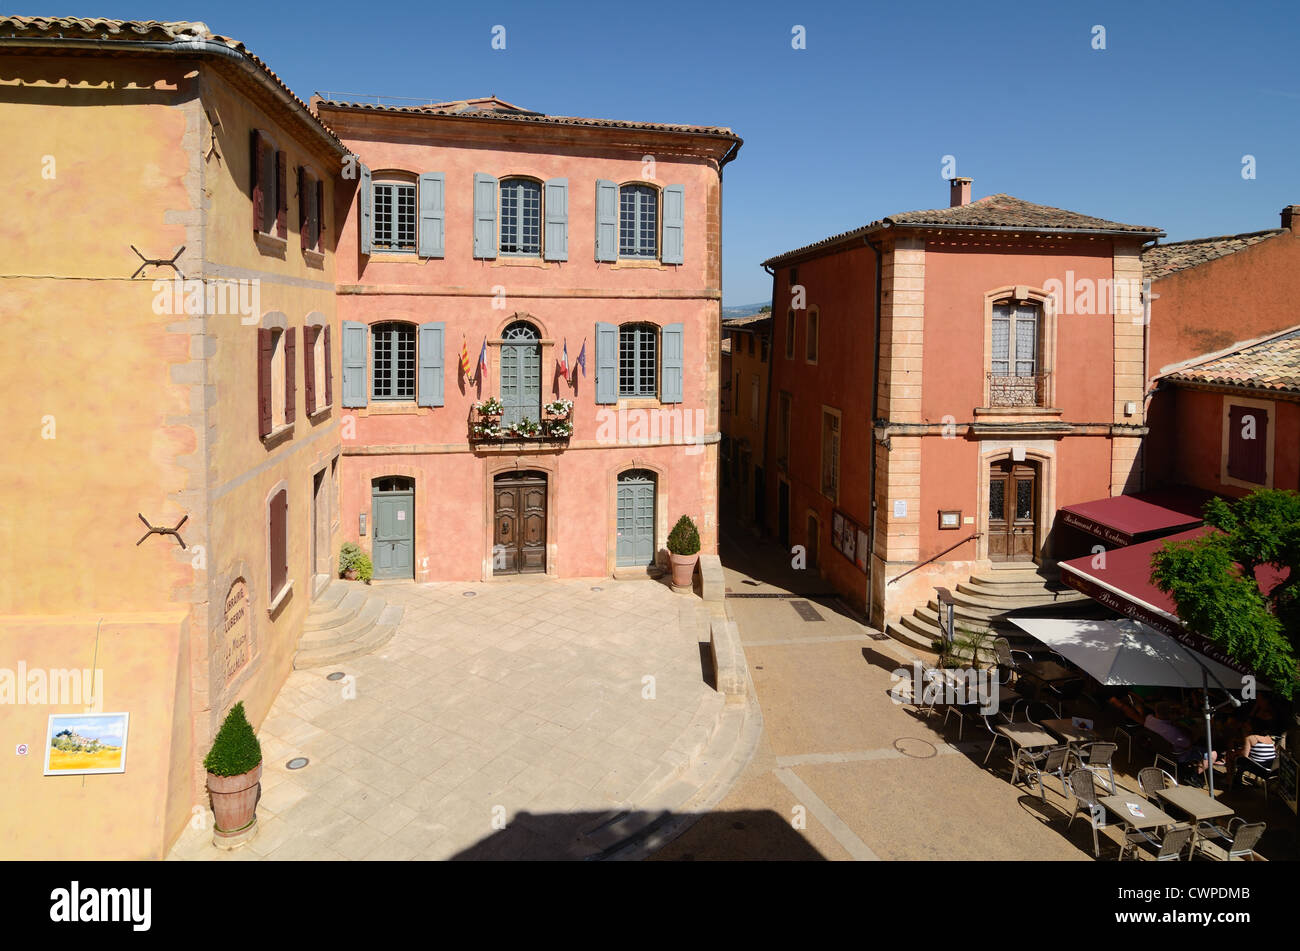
(760, 834)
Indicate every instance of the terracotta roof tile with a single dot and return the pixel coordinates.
(179, 31)
(1164, 259)
(749, 322)
(991, 211)
(501, 111)
(1272, 364)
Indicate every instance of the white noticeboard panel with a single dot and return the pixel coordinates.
(900, 508)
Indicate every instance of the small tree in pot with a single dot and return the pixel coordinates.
(683, 551)
(234, 766)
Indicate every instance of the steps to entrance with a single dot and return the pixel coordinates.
(981, 606)
(347, 620)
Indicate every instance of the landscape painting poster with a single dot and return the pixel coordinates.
(81, 743)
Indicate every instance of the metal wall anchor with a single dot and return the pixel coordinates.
(157, 262)
(162, 531)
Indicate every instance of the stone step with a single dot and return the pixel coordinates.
(349, 630)
(343, 611)
(1012, 576)
(977, 587)
(1004, 605)
(376, 635)
(329, 599)
(905, 635)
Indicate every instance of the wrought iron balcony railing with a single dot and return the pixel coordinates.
(554, 427)
(1029, 390)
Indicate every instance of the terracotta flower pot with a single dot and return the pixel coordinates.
(683, 569)
(350, 574)
(234, 799)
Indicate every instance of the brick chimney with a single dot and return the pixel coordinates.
(1291, 218)
(960, 192)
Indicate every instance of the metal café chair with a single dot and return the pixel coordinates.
(1152, 779)
(1099, 756)
(1052, 762)
(1084, 789)
(1241, 838)
(1169, 848)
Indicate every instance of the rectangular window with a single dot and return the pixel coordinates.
(394, 217)
(1248, 444)
(270, 194)
(394, 361)
(638, 225)
(810, 348)
(789, 335)
(637, 360)
(753, 400)
(521, 217)
(278, 541)
(830, 454)
(783, 429)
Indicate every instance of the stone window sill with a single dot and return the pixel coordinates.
(639, 402)
(271, 244)
(319, 412)
(506, 260)
(314, 259)
(1017, 411)
(378, 408)
(279, 598)
(409, 257)
(622, 263)
(277, 435)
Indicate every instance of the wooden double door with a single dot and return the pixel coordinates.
(1013, 511)
(519, 533)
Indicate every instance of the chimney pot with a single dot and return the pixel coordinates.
(959, 193)
(1291, 218)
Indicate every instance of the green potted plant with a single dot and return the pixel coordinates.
(683, 551)
(234, 766)
(490, 407)
(354, 563)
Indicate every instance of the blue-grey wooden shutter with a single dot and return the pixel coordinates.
(432, 189)
(556, 244)
(429, 392)
(354, 363)
(367, 215)
(606, 220)
(670, 367)
(606, 363)
(485, 216)
(674, 224)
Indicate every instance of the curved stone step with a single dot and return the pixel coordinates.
(329, 599)
(345, 610)
(929, 614)
(1013, 591)
(378, 634)
(1003, 605)
(350, 630)
(909, 637)
(1012, 576)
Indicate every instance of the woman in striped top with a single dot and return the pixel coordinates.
(1258, 753)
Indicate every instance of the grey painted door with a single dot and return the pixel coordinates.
(394, 528)
(636, 519)
(521, 374)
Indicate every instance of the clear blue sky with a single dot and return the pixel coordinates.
(1150, 131)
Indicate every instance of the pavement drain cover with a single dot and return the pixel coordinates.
(598, 588)
(748, 582)
(468, 594)
(915, 748)
(337, 675)
(806, 611)
(298, 762)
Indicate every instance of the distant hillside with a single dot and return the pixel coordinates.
(744, 310)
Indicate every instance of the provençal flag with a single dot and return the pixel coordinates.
(464, 357)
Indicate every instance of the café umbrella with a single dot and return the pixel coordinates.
(1128, 653)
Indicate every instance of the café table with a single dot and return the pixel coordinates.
(1152, 816)
(1020, 736)
(1066, 730)
(1194, 803)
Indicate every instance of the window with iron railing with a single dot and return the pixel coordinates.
(1015, 377)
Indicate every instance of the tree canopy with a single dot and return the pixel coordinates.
(1212, 581)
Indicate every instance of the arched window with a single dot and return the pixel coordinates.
(394, 361)
(521, 217)
(521, 373)
(635, 545)
(638, 221)
(638, 346)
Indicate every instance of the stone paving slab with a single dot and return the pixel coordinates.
(523, 702)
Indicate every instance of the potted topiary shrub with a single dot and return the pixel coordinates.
(683, 551)
(234, 766)
(354, 563)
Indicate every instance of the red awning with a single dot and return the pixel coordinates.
(1127, 519)
(1121, 580)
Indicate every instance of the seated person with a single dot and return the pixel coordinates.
(1257, 753)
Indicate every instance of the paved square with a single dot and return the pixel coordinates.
(528, 696)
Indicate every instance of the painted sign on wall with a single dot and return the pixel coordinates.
(237, 641)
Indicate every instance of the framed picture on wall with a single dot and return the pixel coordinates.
(78, 744)
(949, 519)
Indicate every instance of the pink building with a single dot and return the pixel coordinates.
(496, 265)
